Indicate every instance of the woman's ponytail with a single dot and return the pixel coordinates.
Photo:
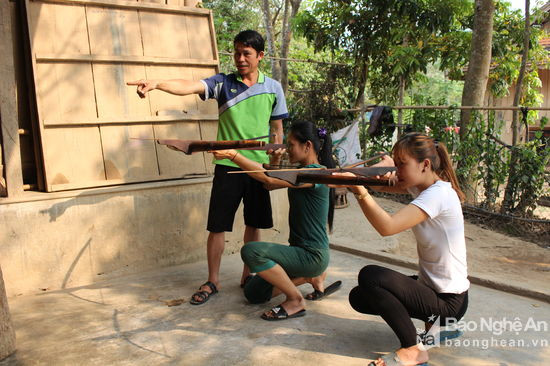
(423, 147)
(446, 170)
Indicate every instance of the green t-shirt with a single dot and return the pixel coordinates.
(245, 112)
(308, 215)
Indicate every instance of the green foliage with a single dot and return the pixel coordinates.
(231, 17)
(488, 160)
(398, 38)
(527, 184)
(323, 97)
(506, 55)
(495, 158)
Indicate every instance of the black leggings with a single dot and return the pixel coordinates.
(398, 298)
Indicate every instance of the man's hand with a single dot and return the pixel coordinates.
(224, 154)
(144, 86)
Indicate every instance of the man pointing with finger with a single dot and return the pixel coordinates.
(250, 104)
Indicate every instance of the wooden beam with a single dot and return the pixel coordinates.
(140, 60)
(132, 5)
(128, 121)
(8, 105)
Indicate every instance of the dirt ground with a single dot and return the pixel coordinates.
(491, 254)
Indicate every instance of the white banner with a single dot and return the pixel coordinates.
(346, 145)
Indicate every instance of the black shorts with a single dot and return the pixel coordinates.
(227, 192)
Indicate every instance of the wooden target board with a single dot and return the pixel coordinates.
(83, 53)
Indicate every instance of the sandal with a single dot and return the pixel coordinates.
(203, 296)
(246, 279)
(279, 313)
(391, 359)
(318, 295)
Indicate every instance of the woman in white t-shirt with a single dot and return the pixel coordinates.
(440, 291)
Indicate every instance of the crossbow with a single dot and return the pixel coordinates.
(366, 176)
(191, 146)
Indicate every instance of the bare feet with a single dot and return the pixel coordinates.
(408, 356)
(318, 282)
(292, 306)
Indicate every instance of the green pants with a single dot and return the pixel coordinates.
(296, 261)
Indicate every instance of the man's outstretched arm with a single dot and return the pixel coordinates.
(173, 86)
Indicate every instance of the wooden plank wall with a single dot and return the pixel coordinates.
(84, 52)
(11, 183)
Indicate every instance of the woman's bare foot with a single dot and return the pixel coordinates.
(318, 282)
(291, 306)
(409, 356)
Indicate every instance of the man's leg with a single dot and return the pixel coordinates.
(250, 234)
(214, 251)
(225, 198)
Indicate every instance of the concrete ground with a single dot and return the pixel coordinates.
(126, 321)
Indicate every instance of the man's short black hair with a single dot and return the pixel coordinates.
(250, 38)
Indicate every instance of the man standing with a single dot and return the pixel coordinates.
(250, 104)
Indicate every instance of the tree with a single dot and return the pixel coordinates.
(286, 37)
(393, 40)
(270, 37)
(231, 17)
(475, 83)
(480, 60)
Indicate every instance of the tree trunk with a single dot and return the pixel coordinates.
(286, 37)
(401, 101)
(361, 71)
(275, 67)
(477, 75)
(475, 83)
(507, 203)
(7, 334)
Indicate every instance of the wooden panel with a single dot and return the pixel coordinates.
(9, 121)
(114, 32)
(171, 29)
(200, 39)
(114, 98)
(209, 106)
(176, 2)
(166, 103)
(84, 53)
(129, 160)
(73, 155)
(209, 131)
(175, 164)
(134, 5)
(58, 28)
(66, 91)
